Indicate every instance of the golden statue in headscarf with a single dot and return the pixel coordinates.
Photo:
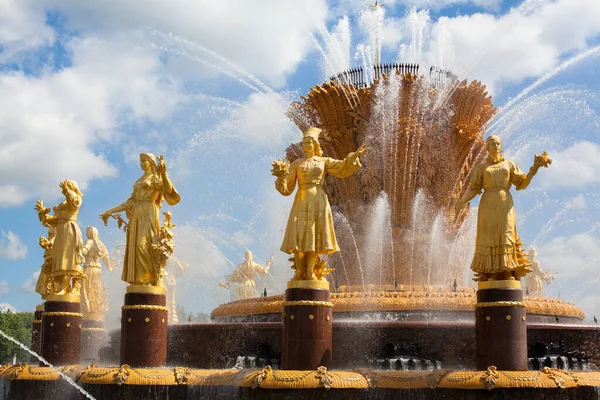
(244, 277)
(496, 249)
(67, 249)
(93, 298)
(141, 263)
(309, 230)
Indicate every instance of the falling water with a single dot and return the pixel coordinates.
(33, 353)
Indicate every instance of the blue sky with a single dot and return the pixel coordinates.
(86, 86)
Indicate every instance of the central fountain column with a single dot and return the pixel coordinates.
(61, 329)
(144, 321)
(500, 326)
(307, 325)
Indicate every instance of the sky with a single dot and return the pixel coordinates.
(87, 86)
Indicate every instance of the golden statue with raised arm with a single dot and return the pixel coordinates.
(141, 264)
(93, 299)
(309, 230)
(244, 276)
(496, 249)
(67, 248)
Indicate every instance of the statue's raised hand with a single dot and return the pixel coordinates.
(161, 168)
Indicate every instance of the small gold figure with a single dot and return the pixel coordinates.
(244, 276)
(93, 298)
(173, 268)
(141, 264)
(67, 248)
(44, 285)
(496, 250)
(309, 230)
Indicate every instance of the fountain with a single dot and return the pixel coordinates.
(400, 314)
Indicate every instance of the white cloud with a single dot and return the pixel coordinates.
(516, 45)
(268, 38)
(575, 261)
(29, 284)
(576, 167)
(5, 307)
(22, 28)
(4, 287)
(11, 246)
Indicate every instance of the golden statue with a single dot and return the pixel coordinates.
(93, 299)
(141, 263)
(67, 249)
(244, 276)
(173, 268)
(43, 285)
(309, 230)
(535, 287)
(496, 249)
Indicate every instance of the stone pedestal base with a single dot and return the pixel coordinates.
(93, 337)
(500, 326)
(307, 326)
(61, 330)
(144, 322)
(36, 333)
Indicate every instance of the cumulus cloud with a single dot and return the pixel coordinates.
(575, 261)
(5, 307)
(29, 284)
(4, 287)
(576, 167)
(515, 45)
(268, 38)
(51, 125)
(11, 246)
(22, 28)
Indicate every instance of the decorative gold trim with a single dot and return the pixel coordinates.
(307, 303)
(63, 314)
(507, 284)
(146, 289)
(67, 298)
(145, 307)
(39, 307)
(37, 321)
(500, 304)
(317, 284)
(93, 316)
(390, 301)
(94, 329)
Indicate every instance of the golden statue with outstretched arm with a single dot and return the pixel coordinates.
(244, 276)
(141, 264)
(67, 248)
(309, 230)
(496, 249)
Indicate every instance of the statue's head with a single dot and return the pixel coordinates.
(70, 185)
(248, 255)
(148, 162)
(91, 232)
(532, 253)
(493, 144)
(310, 141)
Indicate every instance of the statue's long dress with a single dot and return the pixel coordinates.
(92, 296)
(495, 248)
(310, 224)
(140, 266)
(68, 243)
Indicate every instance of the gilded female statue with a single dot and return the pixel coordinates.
(244, 275)
(496, 255)
(535, 279)
(309, 230)
(140, 263)
(67, 249)
(92, 290)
